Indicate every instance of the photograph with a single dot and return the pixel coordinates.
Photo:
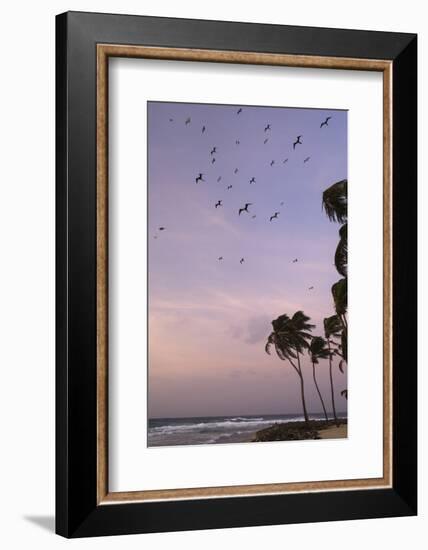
(247, 273)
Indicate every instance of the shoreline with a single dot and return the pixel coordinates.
(298, 431)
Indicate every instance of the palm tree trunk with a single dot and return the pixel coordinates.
(331, 384)
(302, 390)
(319, 393)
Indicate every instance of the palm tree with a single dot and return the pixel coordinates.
(332, 329)
(318, 350)
(340, 297)
(335, 202)
(290, 337)
(341, 255)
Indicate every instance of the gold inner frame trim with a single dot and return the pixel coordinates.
(104, 51)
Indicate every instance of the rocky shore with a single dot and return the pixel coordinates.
(292, 431)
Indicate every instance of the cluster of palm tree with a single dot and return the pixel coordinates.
(291, 337)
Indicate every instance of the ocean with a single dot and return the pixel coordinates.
(202, 430)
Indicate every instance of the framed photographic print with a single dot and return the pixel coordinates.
(236, 274)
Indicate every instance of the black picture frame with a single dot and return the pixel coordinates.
(77, 511)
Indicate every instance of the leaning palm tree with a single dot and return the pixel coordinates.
(340, 297)
(332, 329)
(318, 350)
(290, 337)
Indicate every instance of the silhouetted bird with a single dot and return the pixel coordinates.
(253, 216)
(295, 260)
(274, 216)
(237, 142)
(213, 160)
(239, 111)
(218, 203)
(265, 141)
(306, 159)
(199, 178)
(218, 179)
(213, 150)
(325, 123)
(281, 203)
(241, 261)
(236, 171)
(267, 128)
(171, 120)
(311, 288)
(272, 162)
(161, 228)
(284, 161)
(253, 180)
(245, 209)
(203, 129)
(229, 186)
(220, 258)
(188, 120)
(297, 142)
(155, 237)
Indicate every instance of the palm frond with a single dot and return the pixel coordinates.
(335, 201)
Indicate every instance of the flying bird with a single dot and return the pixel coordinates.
(218, 203)
(282, 203)
(237, 142)
(199, 178)
(229, 186)
(284, 161)
(306, 159)
(235, 171)
(253, 180)
(213, 160)
(220, 258)
(274, 216)
(245, 209)
(311, 288)
(267, 128)
(272, 162)
(171, 120)
(253, 216)
(203, 129)
(218, 179)
(265, 141)
(325, 123)
(239, 111)
(188, 120)
(241, 261)
(297, 142)
(155, 237)
(213, 150)
(295, 260)
(161, 228)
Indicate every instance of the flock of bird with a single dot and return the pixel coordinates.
(245, 209)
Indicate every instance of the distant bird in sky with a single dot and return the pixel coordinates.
(325, 123)
(220, 258)
(229, 186)
(171, 120)
(265, 141)
(188, 120)
(253, 216)
(239, 111)
(199, 178)
(155, 237)
(236, 171)
(274, 216)
(281, 203)
(213, 160)
(284, 161)
(237, 142)
(306, 159)
(267, 128)
(218, 179)
(241, 261)
(213, 150)
(245, 209)
(311, 288)
(218, 203)
(203, 129)
(161, 228)
(272, 162)
(295, 260)
(297, 142)
(253, 180)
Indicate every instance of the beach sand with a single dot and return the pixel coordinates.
(334, 432)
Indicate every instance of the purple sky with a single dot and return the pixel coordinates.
(209, 319)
